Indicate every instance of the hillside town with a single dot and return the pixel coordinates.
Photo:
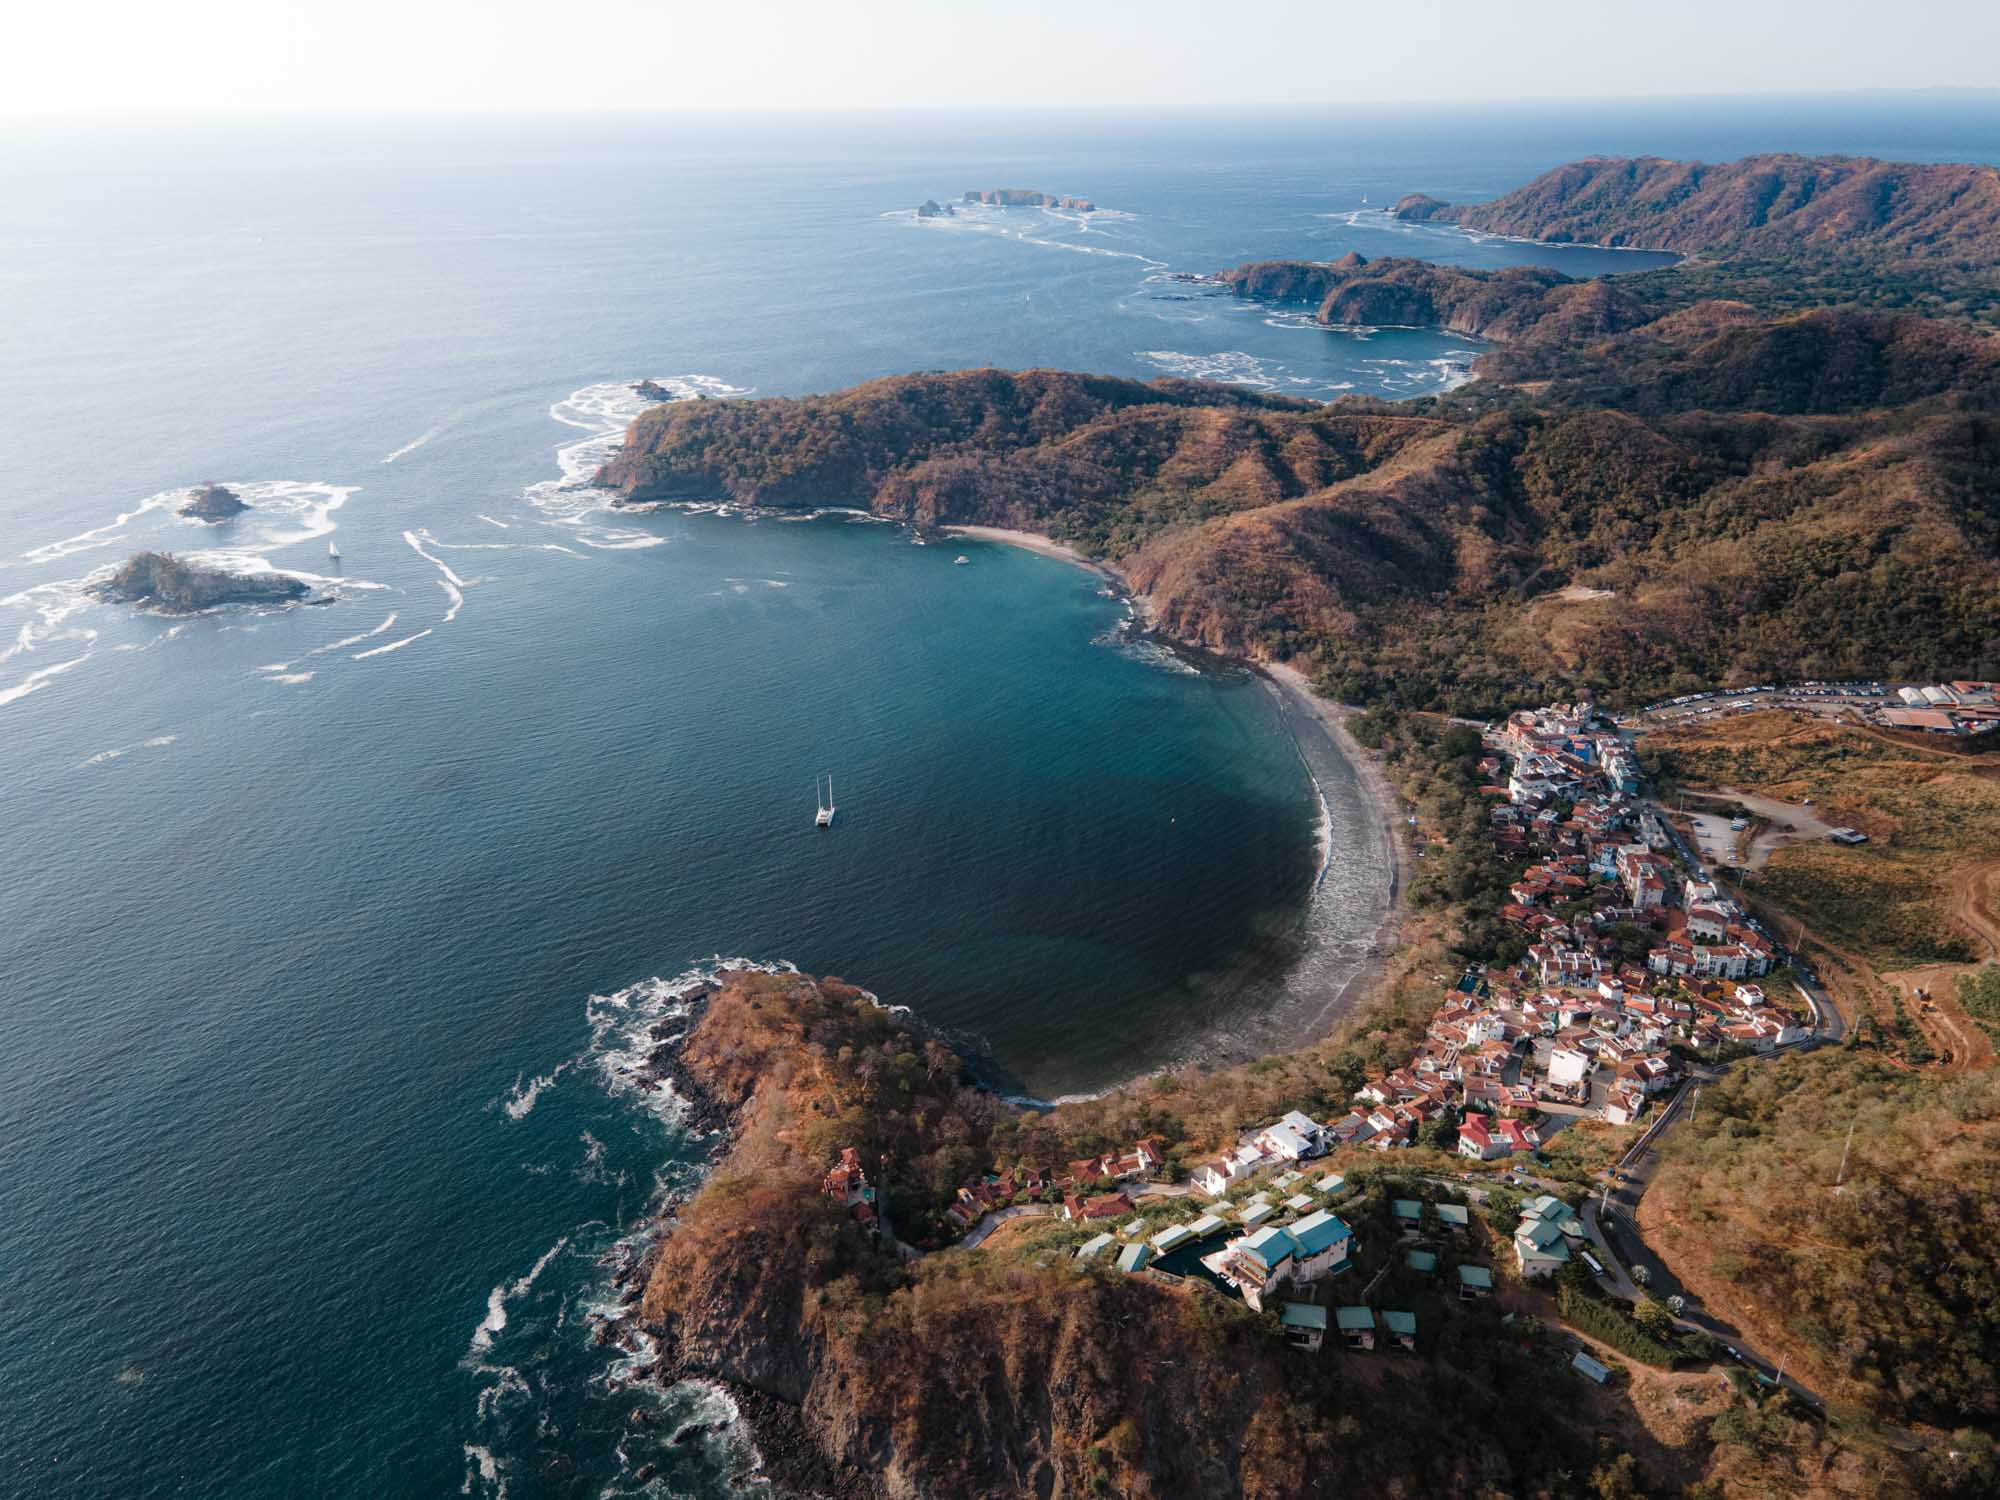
(1630, 956)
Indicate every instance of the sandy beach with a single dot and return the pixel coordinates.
(1360, 987)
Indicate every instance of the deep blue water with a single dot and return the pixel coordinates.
(310, 1129)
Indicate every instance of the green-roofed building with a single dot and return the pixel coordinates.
(1422, 1260)
(1094, 1247)
(1401, 1328)
(1304, 1324)
(1135, 1257)
(1540, 1245)
(1474, 1282)
(1408, 1210)
(1454, 1216)
(1357, 1326)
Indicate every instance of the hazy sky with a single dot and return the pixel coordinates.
(67, 56)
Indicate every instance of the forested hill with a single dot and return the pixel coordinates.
(1711, 495)
(1764, 205)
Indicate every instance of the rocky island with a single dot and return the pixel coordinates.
(1027, 198)
(167, 583)
(213, 503)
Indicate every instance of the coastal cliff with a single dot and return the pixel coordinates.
(1774, 204)
(975, 1372)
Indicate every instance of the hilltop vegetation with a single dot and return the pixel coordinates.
(1811, 495)
(1886, 1290)
(1781, 204)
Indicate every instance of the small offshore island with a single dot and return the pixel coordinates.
(213, 503)
(173, 586)
(1770, 463)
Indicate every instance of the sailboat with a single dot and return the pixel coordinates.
(332, 550)
(824, 817)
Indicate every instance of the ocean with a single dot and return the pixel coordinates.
(326, 933)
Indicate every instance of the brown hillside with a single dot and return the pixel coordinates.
(1761, 204)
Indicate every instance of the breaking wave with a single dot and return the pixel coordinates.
(603, 412)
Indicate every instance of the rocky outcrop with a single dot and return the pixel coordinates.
(930, 208)
(1766, 205)
(214, 502)
(1027, 198)
(167, 583)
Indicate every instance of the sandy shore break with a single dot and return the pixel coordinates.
(1374, 780)
(1029, 541)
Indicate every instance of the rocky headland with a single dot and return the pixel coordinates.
(869, 1373)
(1515, 303)
(1773, 204)
(166, 583)
(213, 503)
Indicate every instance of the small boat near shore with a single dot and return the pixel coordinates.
(960, 561)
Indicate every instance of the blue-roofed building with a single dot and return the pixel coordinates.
(1401, 1328)
(1454, 1216)
(1093, 1248)
(1322, 1246)
(1255, 1264)
(1589, 1368)
(1357, 1326)
(1474, 1282)
(1407, 1210)
(1304, 1324)
(1422, 1260)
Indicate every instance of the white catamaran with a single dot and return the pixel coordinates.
(824, 817)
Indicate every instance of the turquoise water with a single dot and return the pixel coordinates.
(312, 1134)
